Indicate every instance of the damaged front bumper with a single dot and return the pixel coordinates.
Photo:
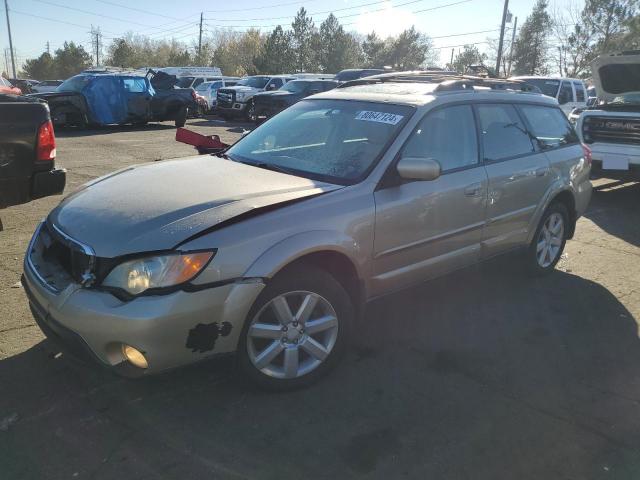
(170, 330)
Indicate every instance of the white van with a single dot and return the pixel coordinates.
(570, 92)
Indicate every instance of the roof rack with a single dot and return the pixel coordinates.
(448, 81)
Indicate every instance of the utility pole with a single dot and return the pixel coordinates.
(504, 21)
(6, 60)
(13, 60)
(48, 48)
(560, 59)
(451, 62)
(200, 37)
(95, 42)
(513, 40)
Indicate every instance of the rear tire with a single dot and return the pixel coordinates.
(548, 243)
(181, 118)
(284, 346)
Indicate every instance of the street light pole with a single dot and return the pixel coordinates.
(13, 60)
(504, 21)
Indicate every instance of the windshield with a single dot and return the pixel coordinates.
(185, 82)
(548, 86)
(337, 141)
(254, 82)
(631, 98)
(295, 87)
(74, 84)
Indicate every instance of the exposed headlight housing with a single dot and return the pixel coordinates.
(154, 272)
(240, 96)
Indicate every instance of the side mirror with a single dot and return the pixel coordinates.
(418, 168)
(271, 86)
(313, 91)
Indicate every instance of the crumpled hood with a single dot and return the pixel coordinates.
(615, 74)
(157, 206)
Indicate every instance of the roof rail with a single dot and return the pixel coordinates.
(448, 81)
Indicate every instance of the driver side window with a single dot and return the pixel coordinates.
(447, 135)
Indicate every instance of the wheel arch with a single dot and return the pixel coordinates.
(566, 198)
(338, 258)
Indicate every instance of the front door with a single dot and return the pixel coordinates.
(518, 173)
(427, 228)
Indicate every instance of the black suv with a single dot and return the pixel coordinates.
(267, 104)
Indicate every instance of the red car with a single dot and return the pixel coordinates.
(6, 87)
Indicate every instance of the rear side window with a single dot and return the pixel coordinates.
(549, 125)
(447, 135)
(276, 82)
(579, 91)
(503, 133)
(566, 93)
(134, 85)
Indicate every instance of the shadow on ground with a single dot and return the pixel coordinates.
(485, 374)
(614, 208)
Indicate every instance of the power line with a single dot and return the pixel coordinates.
(95, 14)
(353, 14)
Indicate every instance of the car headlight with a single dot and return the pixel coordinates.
(240, 96)
(141, 274)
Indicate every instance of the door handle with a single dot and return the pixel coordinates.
(473, 190)
(542, 171)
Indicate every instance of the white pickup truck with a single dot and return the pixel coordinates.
(237, 101)
(612, 127)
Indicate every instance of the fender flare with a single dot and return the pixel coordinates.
(555, 189)
(292, 248)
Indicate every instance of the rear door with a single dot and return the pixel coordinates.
(427, 228)
(138, 98)
(566, 97)
(519, 175)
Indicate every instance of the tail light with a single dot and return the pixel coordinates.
(46, 147)
(586, 152)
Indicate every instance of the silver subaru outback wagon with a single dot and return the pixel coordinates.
(272, 248)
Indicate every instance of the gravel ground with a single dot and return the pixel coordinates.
(485, 374)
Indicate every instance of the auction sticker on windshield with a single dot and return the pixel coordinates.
(380, 117)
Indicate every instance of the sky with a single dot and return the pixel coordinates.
(449, 23)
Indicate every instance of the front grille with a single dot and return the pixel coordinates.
(225, 98)
(58, 259)
(611, 130)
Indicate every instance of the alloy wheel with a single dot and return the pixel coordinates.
(292, 334)
(550, 238)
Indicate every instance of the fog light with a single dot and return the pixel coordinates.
(134, 356)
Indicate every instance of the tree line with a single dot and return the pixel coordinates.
(558, 41)
(304, 47)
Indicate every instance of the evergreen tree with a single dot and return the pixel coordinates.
(41, 68)
(373, 50)
(277, 55)
(531, 48)
(409, 51)
(70, 60)
(336, 49)
(303, 39)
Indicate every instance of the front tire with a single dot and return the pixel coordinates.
(549, 240)
(251, 112)
(297, 329)
(181, 118)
